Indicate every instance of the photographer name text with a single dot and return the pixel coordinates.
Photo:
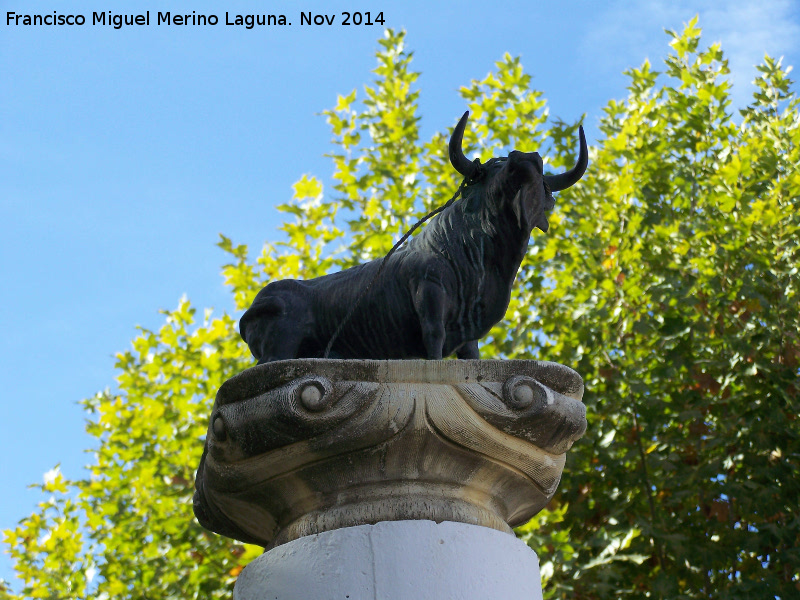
(250, 21)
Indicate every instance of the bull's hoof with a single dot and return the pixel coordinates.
(298, 447)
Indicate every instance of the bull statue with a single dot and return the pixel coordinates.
(439, 293)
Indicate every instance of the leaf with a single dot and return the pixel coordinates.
(307, 187)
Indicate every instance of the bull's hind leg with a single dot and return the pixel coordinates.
(468, 350)
(429, 302)
(270, 330)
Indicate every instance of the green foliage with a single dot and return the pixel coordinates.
(675, 264)
(668, 279)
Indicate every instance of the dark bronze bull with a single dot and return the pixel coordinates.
(439, 293)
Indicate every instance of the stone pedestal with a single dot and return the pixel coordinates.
(305, 452)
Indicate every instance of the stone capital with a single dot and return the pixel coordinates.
(304, 446)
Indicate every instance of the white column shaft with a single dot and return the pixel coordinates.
(396, 560)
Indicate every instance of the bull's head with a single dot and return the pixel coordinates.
(518, 179)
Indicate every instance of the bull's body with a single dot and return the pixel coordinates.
(438, 294)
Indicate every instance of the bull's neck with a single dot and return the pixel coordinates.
(509, 246)
(508, 232)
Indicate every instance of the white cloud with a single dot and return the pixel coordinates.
(630, 32)
(748, 31)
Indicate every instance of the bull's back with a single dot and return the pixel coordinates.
(377, 321)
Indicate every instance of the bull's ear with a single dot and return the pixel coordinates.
(543, 223)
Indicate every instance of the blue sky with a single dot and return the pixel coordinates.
(124, 153)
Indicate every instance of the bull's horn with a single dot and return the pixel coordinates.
(560, 182)
(460, 162)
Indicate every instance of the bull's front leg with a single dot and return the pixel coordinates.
(468, 350)
(429, 302)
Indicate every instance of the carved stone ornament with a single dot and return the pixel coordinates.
(299, 447)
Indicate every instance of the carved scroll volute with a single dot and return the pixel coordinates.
(303, 446)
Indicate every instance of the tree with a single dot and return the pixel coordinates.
(675, 267)
(668, 279)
